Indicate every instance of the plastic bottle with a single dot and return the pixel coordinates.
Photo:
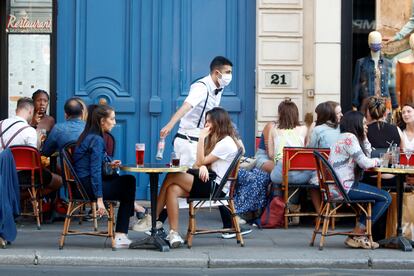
(160, 151)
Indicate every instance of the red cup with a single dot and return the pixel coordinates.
(139, 154)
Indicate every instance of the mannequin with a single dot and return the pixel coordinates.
(372, 74)
(404, 83)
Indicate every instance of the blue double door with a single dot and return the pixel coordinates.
(140, 56)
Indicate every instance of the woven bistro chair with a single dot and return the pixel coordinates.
(78, 198)
(334, 196)
(218, 196)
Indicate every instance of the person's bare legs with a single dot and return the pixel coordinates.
(184, 180)
(173, 193)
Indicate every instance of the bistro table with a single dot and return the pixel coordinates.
(399, 241)
(154, 170)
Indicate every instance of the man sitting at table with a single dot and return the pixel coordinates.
(67, 131)
(16, 131)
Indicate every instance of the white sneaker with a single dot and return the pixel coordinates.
(174, 239)
(122, 241)
(144, 224)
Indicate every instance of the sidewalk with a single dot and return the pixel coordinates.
(263, 249)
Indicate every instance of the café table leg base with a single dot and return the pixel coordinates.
(399, 242)
(150, 242)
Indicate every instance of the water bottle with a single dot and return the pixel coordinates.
(160, 151)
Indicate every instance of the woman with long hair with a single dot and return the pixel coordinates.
(349, 156)
(288, 132)
(263, 161)
(217, 147)
(88, 158)
(326, 129)
(407, 126)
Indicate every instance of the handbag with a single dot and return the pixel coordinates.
(407, 223)
(107, 169)
(247, 163)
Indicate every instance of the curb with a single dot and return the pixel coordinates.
(207, 262)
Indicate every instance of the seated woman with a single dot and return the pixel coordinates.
(88, 158)
(288, 132)
(380, 134)
(407, 126)
(263, 161)
(40, 119)
(348, 157)
(217, 147)
(326, 130)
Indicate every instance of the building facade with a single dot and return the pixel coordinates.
(141, 56)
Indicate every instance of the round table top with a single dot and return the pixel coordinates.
(153, 168)
(409, 170)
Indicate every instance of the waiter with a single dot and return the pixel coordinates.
(204, 94)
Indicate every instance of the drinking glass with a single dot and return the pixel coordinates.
(408, 156)
(395, 157)
(139, 154)
(385, 158)
(175, 159)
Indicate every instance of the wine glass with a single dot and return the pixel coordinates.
(408, 156)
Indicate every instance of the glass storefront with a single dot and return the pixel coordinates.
(29, 36)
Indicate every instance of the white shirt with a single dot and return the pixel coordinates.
(225, 150)
(27, 137)
(408, 145)
(197, 98)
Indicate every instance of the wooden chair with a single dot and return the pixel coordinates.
(330, 185)
(27, 158)
(297, 159)
(218, 196)
(78, 198)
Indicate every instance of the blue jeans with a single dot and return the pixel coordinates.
(364, 191)
(295, 177)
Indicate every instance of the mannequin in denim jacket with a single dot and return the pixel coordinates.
(365, 75)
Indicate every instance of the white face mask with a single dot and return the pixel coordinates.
(225, 79)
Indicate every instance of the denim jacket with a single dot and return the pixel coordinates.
(61, 134)
(87, 158)
(364, 80)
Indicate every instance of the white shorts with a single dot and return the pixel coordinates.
(186, 150)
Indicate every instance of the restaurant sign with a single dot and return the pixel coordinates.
(27, 25)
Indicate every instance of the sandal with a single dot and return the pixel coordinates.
(361, 242)
(2, 243)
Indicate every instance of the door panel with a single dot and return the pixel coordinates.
(141, 57)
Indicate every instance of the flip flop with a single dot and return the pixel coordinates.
(3, 243)
(361, 242)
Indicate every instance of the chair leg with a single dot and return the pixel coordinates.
(235, 222)
(111, 221)
(369, 224)
(191, 225)
(66, 224)
(325, 226)
(333, 221)
(318, 223)
(35, 204)
(95, 218)
(286, 200)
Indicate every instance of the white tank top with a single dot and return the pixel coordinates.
(409, 145)
(287, 138)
